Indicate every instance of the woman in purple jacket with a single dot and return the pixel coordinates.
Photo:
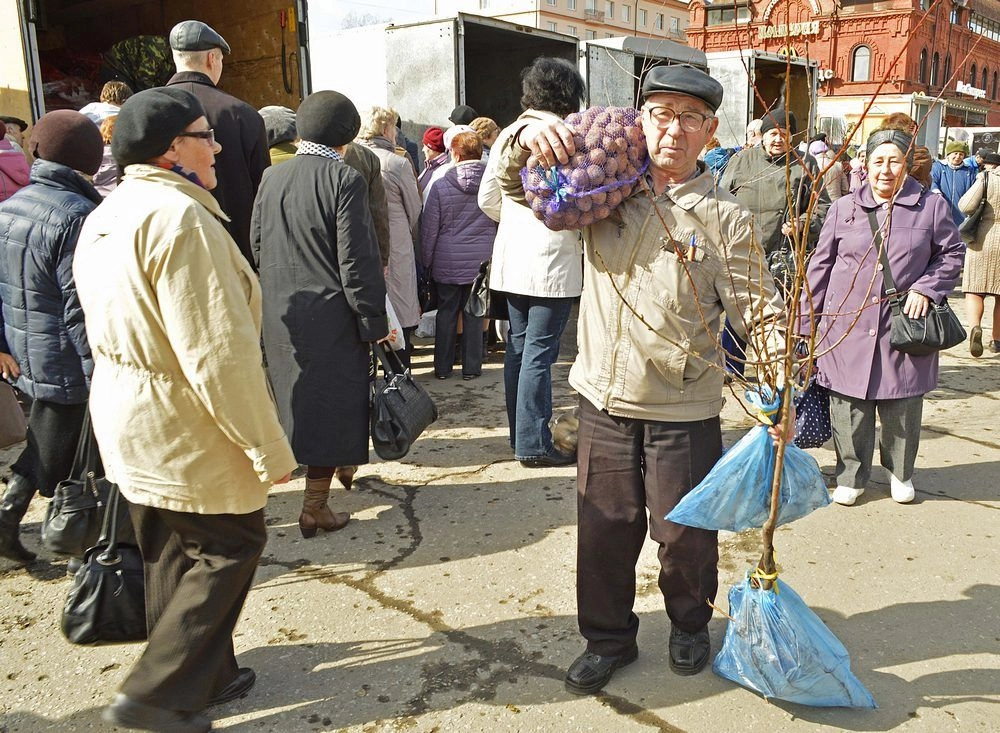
(851, 314)
(456, 236)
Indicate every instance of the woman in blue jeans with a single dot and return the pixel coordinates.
(539, 271)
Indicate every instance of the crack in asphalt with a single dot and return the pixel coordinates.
(497, 661)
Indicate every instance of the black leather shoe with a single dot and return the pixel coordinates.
(239, 687)
(689, 652)
(555, 458)
(590, 672)
(125, 712)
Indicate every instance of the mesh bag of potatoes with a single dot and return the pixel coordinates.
(610, 157)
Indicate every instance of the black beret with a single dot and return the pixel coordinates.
(991, 157)
(193, 35)
(463, 114)
(69, 138)
(328, 118)
(149, 121)
(784, 119)
(683, 79)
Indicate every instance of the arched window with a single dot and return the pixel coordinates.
(985, 77)
(923, 67)
(861, 64)
(947, 68)
(972, 76)
(994, 95)
(935, 59)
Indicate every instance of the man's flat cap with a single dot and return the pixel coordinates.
(193, 35)
(683, 79)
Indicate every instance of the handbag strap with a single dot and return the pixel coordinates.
(890, 285)
(390, 359)
(109, 526)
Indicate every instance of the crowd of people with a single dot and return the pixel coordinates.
(213, 303)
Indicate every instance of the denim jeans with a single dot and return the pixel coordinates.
(733, 346)
(451, 302)
(536, 325)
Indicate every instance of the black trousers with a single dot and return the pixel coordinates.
(198, 570)
(626, 467)
(53, 432)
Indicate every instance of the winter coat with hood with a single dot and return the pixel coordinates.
(455, 234)
(43, 327)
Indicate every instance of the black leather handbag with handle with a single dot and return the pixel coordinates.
(401, 409)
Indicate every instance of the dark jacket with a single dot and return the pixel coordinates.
(239, 128)
(455, 234)
(324, 300)
(365, 162)
(42, 319)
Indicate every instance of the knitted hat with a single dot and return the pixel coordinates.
(434, 139)
(956, 146)
(279, 123)
(990, 157)
(149, 121)
(328, 118)
(70, 138)
(817, 147)
(778, 118)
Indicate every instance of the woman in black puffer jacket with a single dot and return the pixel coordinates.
(44, 344)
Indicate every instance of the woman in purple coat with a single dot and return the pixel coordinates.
(456, 236)
(851, 314)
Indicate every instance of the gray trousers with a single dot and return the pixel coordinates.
(853, 422)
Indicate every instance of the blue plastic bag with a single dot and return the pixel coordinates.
(736, 493)
(776, 646)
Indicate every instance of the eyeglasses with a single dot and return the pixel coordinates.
(689, 121)
(206, 135)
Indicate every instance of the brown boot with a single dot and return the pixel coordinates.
(345, 475)
(315, 512)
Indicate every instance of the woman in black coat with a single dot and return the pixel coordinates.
(42, 337)
(324, 299)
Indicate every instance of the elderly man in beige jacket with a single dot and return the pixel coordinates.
(180, 405)
(648, 370)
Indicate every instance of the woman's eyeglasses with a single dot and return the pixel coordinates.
(206, 135)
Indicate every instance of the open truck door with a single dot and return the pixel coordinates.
(65, 53)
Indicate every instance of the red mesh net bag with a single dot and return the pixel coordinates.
(610, 156)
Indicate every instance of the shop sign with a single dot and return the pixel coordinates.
(788, 30)
(963, 88)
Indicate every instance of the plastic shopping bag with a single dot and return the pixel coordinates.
(776, 646)
(397, 339)
(736, 493)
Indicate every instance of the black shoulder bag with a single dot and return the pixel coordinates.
(401, 409)
(938, 330)
(969, 229)
(107, 603)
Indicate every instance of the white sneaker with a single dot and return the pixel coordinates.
(846, 495)
(902, 491)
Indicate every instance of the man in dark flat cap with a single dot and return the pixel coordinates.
(463, 114)
(649, 406)
(198, 54)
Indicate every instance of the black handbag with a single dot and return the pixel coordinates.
(812, 416)
(938, 330)
(73, 519)
(969, 228)
(478, 303)
(401, 409)
(107, 603)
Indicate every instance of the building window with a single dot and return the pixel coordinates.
(642, 17)
(675, 25)
(954, 17)
(994, 85)
(861, 64)
(571, 4)
(947, 69)
(550, 2)
(609, 35)
(626, 14)
(972, 76)
(571, 29)
(552, 26)
(609, 11)
(935, 59)
(922, 69)
(985, 77)
(658, 24)
(592, 6)
(727, 14)
(484, 4)
(591, 35)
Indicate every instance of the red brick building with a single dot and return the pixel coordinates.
(937, 61)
